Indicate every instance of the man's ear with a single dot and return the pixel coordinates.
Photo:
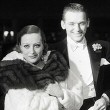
(62, 24)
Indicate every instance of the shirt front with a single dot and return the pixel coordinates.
(79, 61)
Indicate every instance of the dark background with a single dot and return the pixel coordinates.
(15, 14)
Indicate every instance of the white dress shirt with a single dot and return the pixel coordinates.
(79, 61)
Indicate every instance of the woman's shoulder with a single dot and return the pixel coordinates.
(57, 56)
(52, 53)
(13, 55)
(56, 53)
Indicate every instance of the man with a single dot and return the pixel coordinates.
(84, 59)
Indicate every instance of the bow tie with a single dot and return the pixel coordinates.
(81, 46)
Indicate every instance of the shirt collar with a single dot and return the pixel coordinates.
(76, 45)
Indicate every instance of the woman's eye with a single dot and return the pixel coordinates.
(37, 45)
(26, 46)
(83, 23)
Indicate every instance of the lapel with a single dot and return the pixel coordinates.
(95, 58)
(65, 50)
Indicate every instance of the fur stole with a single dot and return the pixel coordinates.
(16, 74)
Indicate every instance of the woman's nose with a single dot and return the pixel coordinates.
(32, 50)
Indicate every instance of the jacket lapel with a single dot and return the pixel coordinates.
(95, 58)
(65, 51)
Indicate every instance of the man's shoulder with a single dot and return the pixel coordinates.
(59, 46)
(103, 42)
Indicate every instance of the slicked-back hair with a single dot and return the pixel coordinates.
(29, 29)
(74, 7)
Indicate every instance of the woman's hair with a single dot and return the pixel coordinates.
(29, 29)
(74, 7)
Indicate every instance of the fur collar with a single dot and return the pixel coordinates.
(19, 74)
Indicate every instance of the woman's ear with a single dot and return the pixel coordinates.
(45, 48)
(88, 22)
(62, 24)
(17, 48)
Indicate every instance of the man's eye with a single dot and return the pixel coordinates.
(71, 24)
(26, 46)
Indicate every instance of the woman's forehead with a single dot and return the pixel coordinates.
(33, 37)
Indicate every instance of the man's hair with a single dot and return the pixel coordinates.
(73, 7)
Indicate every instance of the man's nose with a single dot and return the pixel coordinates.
(77, 28)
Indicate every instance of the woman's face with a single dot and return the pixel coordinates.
(31, 47)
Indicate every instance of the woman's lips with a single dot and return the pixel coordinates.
(32, 57)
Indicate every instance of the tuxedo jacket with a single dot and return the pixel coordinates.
(100, 73)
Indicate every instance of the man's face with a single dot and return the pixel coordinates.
(76, 24)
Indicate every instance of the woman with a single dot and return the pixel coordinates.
(33, 77)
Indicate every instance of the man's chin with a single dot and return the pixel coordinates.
(78, 39)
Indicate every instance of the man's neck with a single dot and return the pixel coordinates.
(69, 40)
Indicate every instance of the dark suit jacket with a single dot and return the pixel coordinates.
(95, 58)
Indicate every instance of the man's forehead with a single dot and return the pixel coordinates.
(75, 15)
(75, 12)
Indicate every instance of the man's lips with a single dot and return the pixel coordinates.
(78, 34)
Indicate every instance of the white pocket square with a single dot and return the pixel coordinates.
(104, 62)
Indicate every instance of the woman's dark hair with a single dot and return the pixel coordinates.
(29, 29)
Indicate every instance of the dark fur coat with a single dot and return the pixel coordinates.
(19, 74)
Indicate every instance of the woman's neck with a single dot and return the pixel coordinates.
(39, 64)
